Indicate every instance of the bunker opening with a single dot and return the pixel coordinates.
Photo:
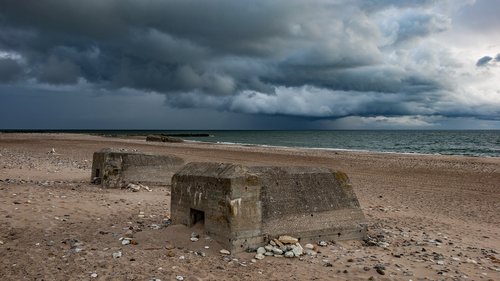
(197, 216)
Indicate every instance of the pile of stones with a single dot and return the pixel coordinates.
(286, 246)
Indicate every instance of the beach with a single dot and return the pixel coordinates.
(430, 217)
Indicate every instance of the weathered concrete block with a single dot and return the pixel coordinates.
(114, 168)
(242, 207)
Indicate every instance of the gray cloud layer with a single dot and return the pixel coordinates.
(302, 58)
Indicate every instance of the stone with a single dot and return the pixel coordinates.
(261, 250)
(298, 250)
(259, 256)
(268, 254)
(193, 239)
(125, 241)
(310, 252)
(225, 252)
(93, 275)
(288, 239)
(323, 243)
(289, 254)
(268, 248)
(277, 251)
(179, 278)
(309, 246)
(117, 255)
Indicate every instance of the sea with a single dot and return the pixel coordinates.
(481, 143)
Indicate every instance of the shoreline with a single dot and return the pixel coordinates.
(140, 136)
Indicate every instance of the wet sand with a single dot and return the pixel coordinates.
(431, 217)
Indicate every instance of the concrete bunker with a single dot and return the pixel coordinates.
(242, 207)
(116, 167)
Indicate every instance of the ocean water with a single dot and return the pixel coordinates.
(469, 143)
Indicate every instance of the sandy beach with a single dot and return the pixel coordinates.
(430, 217)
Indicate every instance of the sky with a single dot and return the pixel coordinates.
(337, 64)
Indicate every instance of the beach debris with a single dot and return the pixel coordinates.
(136, 187)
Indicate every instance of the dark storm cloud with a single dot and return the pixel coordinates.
(10, 70)
(483, 61)
(302, 58)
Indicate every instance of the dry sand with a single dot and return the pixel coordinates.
(433, 217)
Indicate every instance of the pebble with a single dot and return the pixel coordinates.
(298, 250)
(125, 241)
(323, 243)
(178, 277)
(277, 251)
(93, 275)
(289, 254)
(309, 246)
(268, 248)
(117, 255)
(259, 256)
(225, 252)
(194, 239)
(261, 250)
(285, 239)
(268, 254)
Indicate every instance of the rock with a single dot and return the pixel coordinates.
(272, 243)
(253, 260)
(225, 252)
(323, 243)
(268, 248)
(277, 251)
(380, 268)
(129, 234)
(1, 242)
(383, 244)
(298, 250)
(268, 254)
(309, 246)
(261, 250)
(178, 277)
(194, 239)
(259, 256)
(285, 239)
(311, 252)
(125, 241)
(117, 255)
(289, 254)
(93, 275)
(278, 243)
